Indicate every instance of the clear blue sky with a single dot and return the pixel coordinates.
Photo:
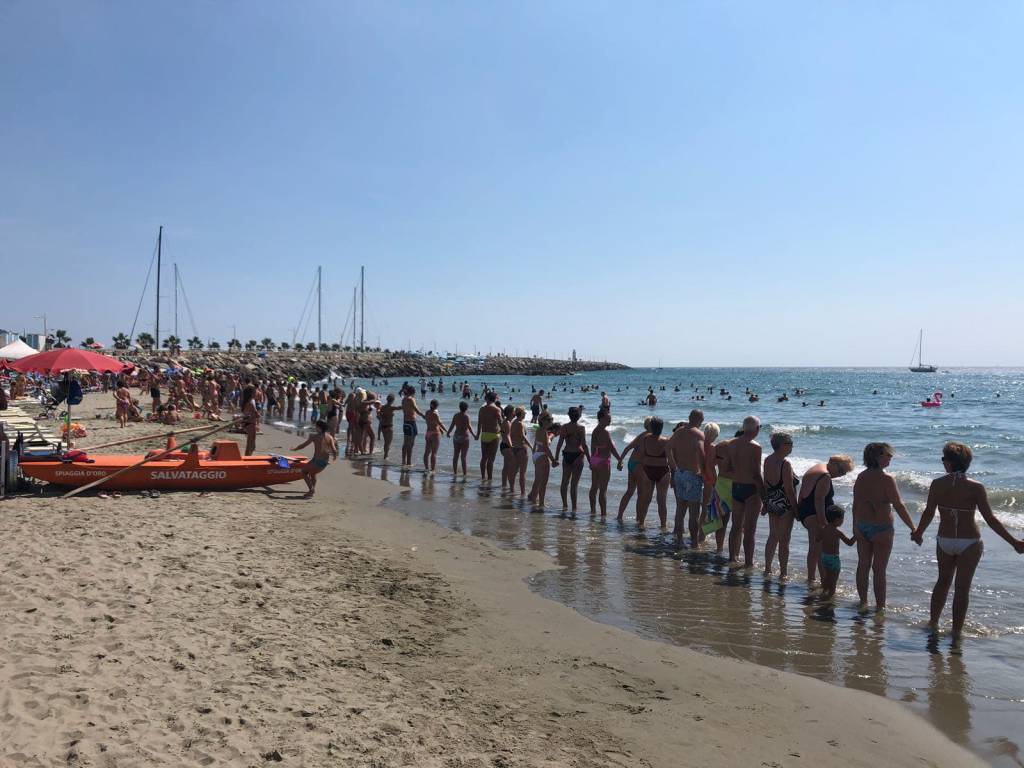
(703, 183)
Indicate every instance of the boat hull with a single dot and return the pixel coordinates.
(168, 475)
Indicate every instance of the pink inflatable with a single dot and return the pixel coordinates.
(934, 401)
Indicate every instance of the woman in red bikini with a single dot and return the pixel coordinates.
(652, 474)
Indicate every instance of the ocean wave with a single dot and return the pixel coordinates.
(802, 429)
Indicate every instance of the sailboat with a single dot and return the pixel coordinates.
(920, 367)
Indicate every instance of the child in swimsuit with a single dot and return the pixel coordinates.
(830, 536)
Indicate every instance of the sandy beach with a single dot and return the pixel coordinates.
(249, 628)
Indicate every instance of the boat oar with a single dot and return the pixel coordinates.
(102, 480)
(144, 437)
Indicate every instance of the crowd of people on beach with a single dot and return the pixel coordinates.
(722, 486)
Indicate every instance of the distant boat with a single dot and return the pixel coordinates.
(919, 349)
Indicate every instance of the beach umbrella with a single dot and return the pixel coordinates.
(63, 361)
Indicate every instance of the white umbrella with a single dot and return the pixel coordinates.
(16, 350)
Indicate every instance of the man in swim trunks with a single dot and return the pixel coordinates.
(488, 432)
(685, 451)
(324, 449)
(747, 490)
(409, 428)
(535, 403)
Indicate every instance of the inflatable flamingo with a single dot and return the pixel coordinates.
(934, 401)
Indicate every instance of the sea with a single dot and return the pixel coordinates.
(637, 580)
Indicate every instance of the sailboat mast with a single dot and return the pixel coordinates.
(362, 309)
(159, 248)
(319, 314)
(920, 347)
(353, 318)
(175, 298)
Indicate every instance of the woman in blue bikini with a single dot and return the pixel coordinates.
(875, 495)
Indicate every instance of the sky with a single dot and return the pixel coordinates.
(674, 183)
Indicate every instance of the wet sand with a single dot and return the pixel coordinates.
(252, 628)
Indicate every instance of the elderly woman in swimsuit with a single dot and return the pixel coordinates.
(574, 437)
(601, 451)
(779, 484)
(653, 474)
(463, 432)
(520, 447)
(816, 495)
(875, 495)
(632, 467)
(959, 546)
(543, 459)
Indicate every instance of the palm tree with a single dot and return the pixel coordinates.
(195, 343)
(145, 340)
(172, 343)
(285, 345)
(335, 347)
(325, 347)
(251, 345)
(267, 344)
(62, 338)
(214, 345)
(311, 347)
(121, 341)
(88, 341)
(234, 344)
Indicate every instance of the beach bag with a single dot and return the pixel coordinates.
(775, 501)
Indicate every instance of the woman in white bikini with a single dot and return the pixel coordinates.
(543, 460)
(959, 544)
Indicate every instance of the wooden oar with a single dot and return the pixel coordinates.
(144, 437)
(102, 480)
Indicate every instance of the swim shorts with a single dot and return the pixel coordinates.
(743, 491)
(831, 563)
(689, 485)
(319, 463)
(409, 429)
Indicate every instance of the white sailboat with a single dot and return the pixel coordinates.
(920, 367)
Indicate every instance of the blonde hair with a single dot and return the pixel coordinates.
(712, 431)
(842, 461)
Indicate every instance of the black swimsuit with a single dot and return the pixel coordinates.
(805, 507)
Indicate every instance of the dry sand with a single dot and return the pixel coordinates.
(243, 629)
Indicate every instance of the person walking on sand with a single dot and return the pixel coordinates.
(958, 546)
(123, 404)
(409, 426)
(574, 437)
(303, 403)
(875, 496)
(817, 494)
(488, 431)
(543, 460)
(685, 452)
(325, 448)
(602, 448)
(463, 431)
(433, 436)
(250, 418)
(747, 490)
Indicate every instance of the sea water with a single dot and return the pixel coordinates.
(638, 580)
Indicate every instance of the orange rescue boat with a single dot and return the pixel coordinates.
(223, 468)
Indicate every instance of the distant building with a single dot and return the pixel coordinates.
(574, 355)
(6, 337)
(35, 340)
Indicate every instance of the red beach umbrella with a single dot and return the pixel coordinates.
(58, 361)
(68, 359)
